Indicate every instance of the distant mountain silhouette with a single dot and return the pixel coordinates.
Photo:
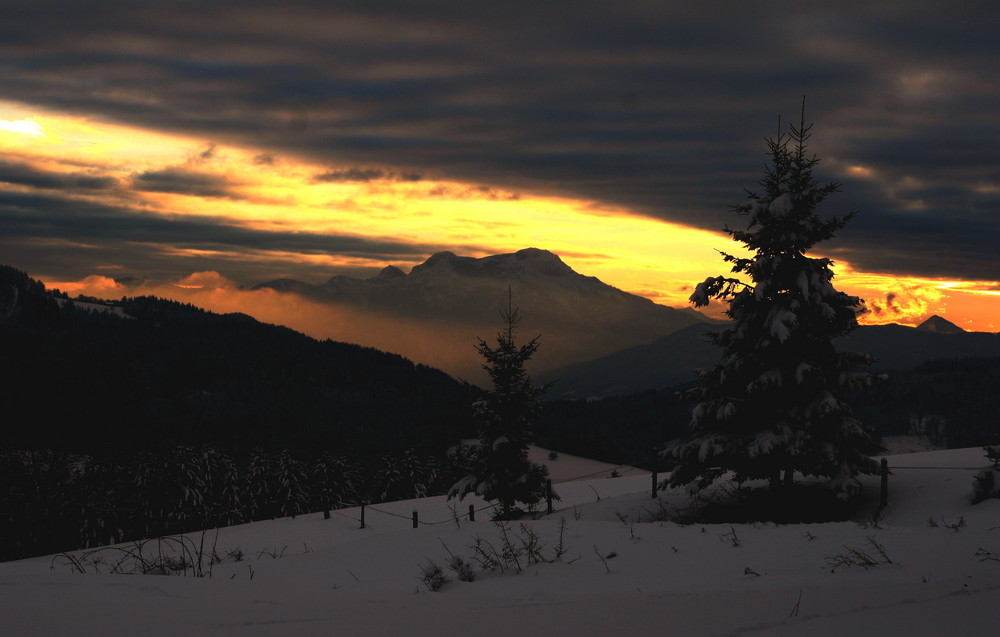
(939, 325)
(669, 360)
(674, 358)
(456, 299)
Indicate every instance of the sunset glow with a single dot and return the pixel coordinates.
(245, 188)
(972, 305)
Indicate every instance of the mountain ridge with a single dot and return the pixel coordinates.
(458, 299)
(673, 358)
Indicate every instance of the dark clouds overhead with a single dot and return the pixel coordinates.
(184, 182)
(69, 230)
(657, 106)
(356, 174)
(22, 174)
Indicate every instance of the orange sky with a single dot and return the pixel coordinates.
(659, 260)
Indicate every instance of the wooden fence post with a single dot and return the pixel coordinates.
(472, 513)
(548, 496)
(652, 467)
(883, 498)
(415, 521)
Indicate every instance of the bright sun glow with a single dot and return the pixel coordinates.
(25, 126)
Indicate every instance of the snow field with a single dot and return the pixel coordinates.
(311, 576)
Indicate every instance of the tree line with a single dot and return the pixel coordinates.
(172, 374)
(55, 500)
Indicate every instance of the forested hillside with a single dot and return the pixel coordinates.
(169, 373)
(147, 417)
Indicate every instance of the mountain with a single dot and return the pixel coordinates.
(439, 309)
(673, 359)
(669, 360)
(940, 326)
(898, 347)
(940, 386)
(155, 372)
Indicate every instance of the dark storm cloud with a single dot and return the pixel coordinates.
(905, 226)
(26, 175)
(185, 182)
(355, 174)
(475, 192)
(659, 107)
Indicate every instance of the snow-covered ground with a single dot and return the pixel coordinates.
(95, 307)
(621, 574)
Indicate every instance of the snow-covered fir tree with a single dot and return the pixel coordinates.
(336, 482)
(402, 476)
(505, 415)
(773, 403)
(291, 485)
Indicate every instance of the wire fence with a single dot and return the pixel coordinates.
(939, 468)
(596, 473)
(470, 514)
(606, 471)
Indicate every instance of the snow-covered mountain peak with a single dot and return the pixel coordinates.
(529, 262)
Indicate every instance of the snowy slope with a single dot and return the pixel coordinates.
(312, 576)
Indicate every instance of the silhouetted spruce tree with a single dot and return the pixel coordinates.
(772, 403)
(505, 415)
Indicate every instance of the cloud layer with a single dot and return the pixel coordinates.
(658, 108)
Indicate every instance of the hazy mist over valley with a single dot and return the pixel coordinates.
(435, 314)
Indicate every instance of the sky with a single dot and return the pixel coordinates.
(197, 147)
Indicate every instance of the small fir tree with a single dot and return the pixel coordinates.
(501, 470)
(772, 403)
(403, 476)
(336, 482)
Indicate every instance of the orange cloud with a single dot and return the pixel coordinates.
(102, 287)
(904, 304)
(205, 281)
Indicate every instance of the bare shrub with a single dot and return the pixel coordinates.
(432, 576)
(854, 556)
(463, 570)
